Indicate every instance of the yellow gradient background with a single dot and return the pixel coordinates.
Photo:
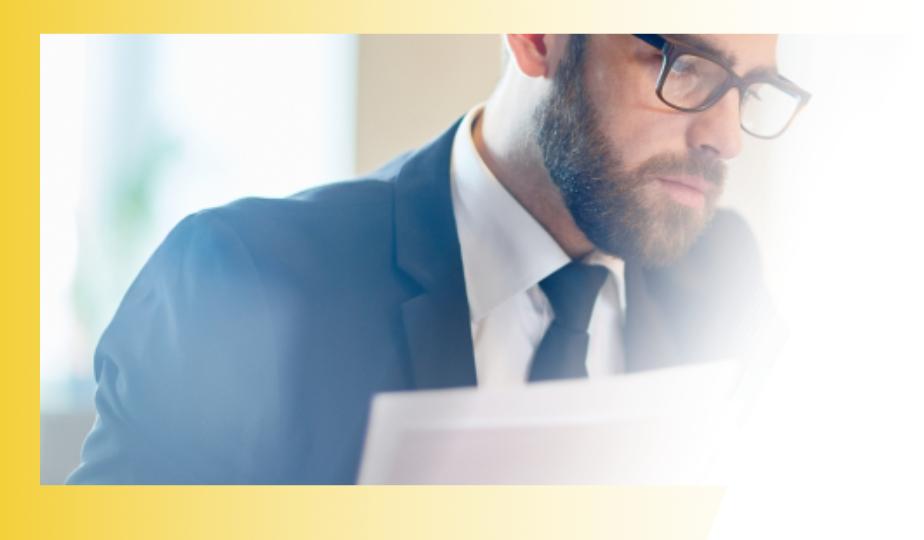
(33, 511)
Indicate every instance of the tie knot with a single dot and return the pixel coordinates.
(572, 291)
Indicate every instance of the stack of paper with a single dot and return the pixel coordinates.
(664, 426)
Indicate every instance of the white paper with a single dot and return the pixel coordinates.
(663, 426)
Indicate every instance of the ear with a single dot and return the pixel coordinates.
(530, 53)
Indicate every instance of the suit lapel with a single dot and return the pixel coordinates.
(436, 321)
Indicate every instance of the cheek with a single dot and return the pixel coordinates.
(636, 124)
(639, 137)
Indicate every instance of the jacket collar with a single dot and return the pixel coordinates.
(436, 321)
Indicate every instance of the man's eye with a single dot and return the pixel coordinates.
(683, 67)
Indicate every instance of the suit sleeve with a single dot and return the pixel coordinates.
(186, 370)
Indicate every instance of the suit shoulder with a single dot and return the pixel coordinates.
(370, 195)
(731, 225)
(728, 236)
(331, 210)
(727, 252)
(331, 207)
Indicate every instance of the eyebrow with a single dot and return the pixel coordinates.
(729, 58)
(704, 45)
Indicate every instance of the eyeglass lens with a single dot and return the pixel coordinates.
(694, 82)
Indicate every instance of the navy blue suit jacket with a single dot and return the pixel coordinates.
(250, 344)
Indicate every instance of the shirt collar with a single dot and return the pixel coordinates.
(505, 250)
(617, 268)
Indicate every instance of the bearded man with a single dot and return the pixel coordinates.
(566, 228)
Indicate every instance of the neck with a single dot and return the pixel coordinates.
(517, 164)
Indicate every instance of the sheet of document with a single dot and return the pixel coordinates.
(664, 426)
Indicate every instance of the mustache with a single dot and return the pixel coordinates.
(711, 169)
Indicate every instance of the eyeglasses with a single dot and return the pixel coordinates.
(693, 80)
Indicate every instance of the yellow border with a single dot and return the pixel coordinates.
(32, 511)
(369, 512)
(492, 16)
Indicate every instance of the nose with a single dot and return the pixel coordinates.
(717, 130)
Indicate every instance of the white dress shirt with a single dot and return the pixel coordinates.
(505, 254)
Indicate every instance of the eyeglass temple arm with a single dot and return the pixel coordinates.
(654, 40)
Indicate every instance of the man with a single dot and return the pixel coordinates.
(248, 348)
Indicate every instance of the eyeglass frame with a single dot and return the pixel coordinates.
(671, 50)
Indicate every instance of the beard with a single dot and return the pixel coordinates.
(623, 212)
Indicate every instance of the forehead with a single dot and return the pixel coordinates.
(743, 52)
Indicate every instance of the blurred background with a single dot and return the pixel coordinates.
(138, 131)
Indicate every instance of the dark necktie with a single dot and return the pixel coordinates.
(572, 291)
